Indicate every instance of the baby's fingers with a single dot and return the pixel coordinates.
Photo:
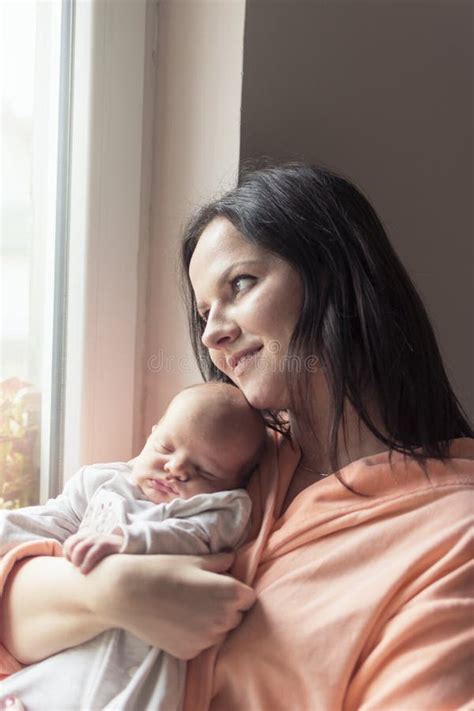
(95, 554)
(80, 551)
(71, 543)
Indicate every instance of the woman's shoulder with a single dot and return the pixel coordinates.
(401, 495)
(392, 473)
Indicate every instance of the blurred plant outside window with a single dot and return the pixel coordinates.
(30, 43)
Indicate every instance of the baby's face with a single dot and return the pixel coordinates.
(187, 454)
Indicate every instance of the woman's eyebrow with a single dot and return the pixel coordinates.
(223, 277)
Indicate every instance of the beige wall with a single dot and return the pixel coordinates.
(199, 55)
(381, 91)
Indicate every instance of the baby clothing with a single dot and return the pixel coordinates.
(115, 670)
(364, 594)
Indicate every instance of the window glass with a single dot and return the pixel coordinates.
(30, 39)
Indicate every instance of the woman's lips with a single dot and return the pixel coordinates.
(161, 486)
(243, 361)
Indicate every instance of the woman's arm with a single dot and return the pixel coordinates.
(178, 603)
(47, 606)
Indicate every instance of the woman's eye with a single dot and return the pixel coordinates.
(242, 281)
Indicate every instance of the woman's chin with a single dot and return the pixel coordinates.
(263, 399)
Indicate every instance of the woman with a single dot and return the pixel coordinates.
(359, 550)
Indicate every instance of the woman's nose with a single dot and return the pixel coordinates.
(220, 331)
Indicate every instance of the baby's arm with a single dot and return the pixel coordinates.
(174, 535)
(219, 524)
(57, 519)
(209, 530)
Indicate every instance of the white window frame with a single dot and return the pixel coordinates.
(108, 208)
(140, 66)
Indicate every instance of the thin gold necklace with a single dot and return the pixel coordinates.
(314, 471)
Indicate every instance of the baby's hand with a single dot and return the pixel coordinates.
(85, 550)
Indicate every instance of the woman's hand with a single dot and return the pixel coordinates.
(175, 602)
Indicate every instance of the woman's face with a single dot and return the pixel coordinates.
(250, 301)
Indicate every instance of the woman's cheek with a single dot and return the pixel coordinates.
(219, 360)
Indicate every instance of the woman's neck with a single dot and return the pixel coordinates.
(313, 440)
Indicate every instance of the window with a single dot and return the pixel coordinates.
(74, 226)
(34, 75)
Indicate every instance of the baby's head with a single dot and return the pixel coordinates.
(208, 440)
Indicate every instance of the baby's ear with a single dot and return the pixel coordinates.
(154, 428)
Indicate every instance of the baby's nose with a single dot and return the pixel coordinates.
(177, 469)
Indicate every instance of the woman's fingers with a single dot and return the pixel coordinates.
(237, 595)
(216, 562)
(221, 562)
(182, 604)
(246, 596)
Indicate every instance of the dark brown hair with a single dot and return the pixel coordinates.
(361, 314)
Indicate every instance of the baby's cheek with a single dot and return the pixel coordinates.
(139, 475)
(136, 473)
(192, 489)
(145, 465)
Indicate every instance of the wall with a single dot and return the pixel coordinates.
(199, 57)
(382, 92)
(106, 203)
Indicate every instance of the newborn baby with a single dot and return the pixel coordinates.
(182, 494)
(208, 441)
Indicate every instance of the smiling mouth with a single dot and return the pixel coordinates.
(239, 363)
(161, 486)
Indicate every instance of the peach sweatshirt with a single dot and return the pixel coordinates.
(363, 602)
